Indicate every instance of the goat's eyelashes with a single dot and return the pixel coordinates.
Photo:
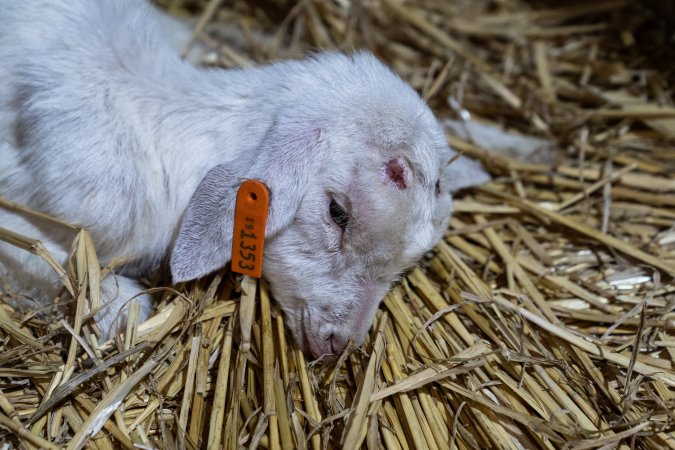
(338, 214)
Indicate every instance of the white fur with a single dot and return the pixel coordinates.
(102, 125)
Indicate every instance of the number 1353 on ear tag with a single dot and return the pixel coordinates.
(250, 217)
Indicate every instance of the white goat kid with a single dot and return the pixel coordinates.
(103, 125)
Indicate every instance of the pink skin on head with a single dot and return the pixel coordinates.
(396, 173)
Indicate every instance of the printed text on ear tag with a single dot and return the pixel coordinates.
(250, 217)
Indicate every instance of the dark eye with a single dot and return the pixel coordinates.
(437, 188)
(338, 214)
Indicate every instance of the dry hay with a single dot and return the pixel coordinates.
(544, 319)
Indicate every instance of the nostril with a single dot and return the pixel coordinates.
(336, 343)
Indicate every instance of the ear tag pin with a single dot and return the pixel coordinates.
(250, 217)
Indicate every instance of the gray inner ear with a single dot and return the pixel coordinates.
(204, 242)
(464, 172)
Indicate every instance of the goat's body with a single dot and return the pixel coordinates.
(144, 141)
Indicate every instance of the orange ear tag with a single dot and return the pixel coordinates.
(250, 217)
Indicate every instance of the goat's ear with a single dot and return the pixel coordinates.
(204, 242)
(288, 159)
(464, 172)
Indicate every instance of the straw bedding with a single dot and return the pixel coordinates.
(545, 319)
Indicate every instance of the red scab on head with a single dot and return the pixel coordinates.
(397, 173)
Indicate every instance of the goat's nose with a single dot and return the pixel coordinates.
(337, 343)
(330, 340)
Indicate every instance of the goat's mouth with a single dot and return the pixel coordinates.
(307, 338)
(297, 324)
(308, 344)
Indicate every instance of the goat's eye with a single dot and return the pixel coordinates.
(338, 214)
